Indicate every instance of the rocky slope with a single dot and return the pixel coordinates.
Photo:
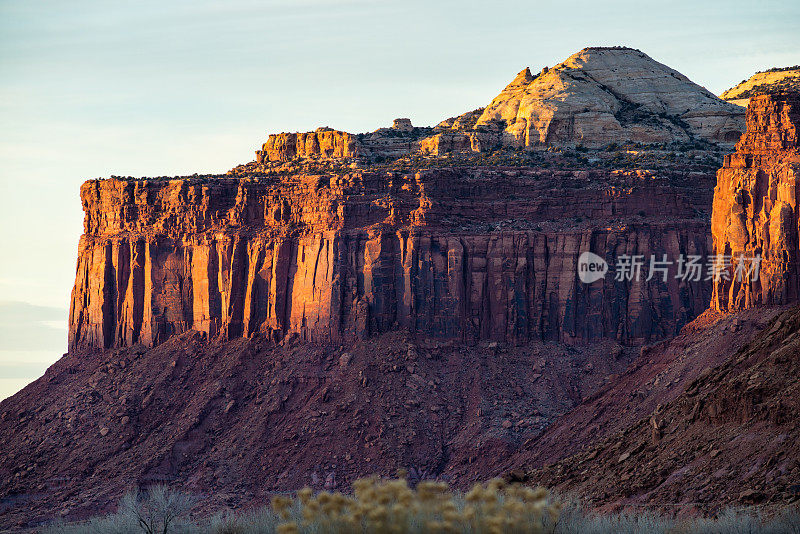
(779, 80)
(728, 438)
(232, 422)
(658, 376)
(755, 207)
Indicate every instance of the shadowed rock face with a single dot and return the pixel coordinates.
(755, 205)
(464, 254)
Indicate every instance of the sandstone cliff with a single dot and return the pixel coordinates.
(324, 142)
(306, 242)
(755, 206)
(471, 253)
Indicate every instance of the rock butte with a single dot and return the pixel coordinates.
(463, 250)
(604, 95)
(466, 251)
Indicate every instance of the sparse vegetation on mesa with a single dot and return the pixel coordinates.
(391, 506)
(697, 154)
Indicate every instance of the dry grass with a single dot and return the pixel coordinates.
(392, 506)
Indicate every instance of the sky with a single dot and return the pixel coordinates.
(141, 88)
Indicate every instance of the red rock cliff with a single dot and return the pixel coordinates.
(455, 253)
(755, 206)
(324, 143)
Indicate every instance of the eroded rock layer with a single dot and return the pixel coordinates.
(324, 142)
(597, 97)
(604, 95)
(453, 253)
(755, 207)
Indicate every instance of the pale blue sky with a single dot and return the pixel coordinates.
(94, 88)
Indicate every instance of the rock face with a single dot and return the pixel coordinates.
(608, 95)
(403, 125)
(596, 97)
(295, 243)
(755, 206)
(324, 142)
(761, 83)
(713, 437)
(453, 253)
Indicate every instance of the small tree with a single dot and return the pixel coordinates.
(156, 509)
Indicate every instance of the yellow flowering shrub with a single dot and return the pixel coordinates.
(391, 506)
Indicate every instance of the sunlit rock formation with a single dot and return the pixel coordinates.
(454, 253)
(777, 80)
(596, 97)
(756, 206)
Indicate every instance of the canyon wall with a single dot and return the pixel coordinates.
(755, 208)
(465, 254)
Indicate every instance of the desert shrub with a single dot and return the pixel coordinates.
(734, 521)
(156, 511)
(228, 523)
(390, 505)
(779, 69)
(576, 518)
(378, 505)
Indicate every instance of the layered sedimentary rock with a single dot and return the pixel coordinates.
(454, 253)
(281, 247)
(755, 208)
(324, 142)
(596, 97)
(609, 95)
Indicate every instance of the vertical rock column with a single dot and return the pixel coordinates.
(755, 208)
